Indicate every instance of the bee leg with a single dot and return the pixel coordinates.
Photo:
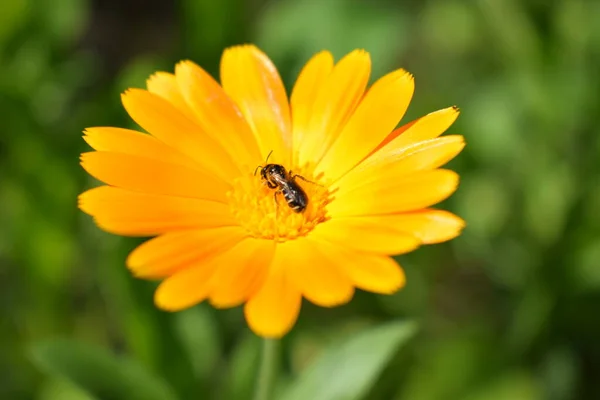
(269, 184)
(293, 177)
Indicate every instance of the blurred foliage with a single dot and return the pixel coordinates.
(507, 312)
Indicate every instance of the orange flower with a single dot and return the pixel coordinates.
(225, 233)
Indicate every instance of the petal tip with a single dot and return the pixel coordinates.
(438, 226)
(458, 221)
(88, 200)
(164, 302)
(132, 262)
(127, 95)
(406, 80)
(398, 284)
(155, 76)
(400, 74)
(240, 48)
(158, 81)
(184, 65)
(406, 74)
(129, 92)
(221, 304)
(324, 54)
(93, 130)
(338, 301)
(267, 332)
(360, 51)
(88, 140)
(453, 111)
(81, 202)
(454, 179)
(357, 56)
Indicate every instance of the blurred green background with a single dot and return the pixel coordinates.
(508, 311)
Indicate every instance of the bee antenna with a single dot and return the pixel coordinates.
(266, 161)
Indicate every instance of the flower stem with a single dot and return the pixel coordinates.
(267, 374)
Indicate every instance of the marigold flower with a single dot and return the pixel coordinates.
(227, 235)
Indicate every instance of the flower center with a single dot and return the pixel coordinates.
(279, 213)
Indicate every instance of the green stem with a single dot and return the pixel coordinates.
(267, 373)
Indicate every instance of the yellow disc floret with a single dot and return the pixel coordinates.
(264, 213)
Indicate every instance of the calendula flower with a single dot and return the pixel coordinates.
(230, 231)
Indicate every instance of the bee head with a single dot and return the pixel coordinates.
(273, 170)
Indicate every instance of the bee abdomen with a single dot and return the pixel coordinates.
(289, 196)
(295, 197)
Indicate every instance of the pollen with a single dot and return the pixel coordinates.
(264, 213)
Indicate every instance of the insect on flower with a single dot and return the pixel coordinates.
(188, 183)
(275, 176)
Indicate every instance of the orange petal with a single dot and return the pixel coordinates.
(165, 122)
(186, 288)
(373, 273)
(333, 104)
(217, 114)
(252, 81)
(420, 156)
(173, 251)
(378, 113)
(141, 174)
(317, 279)
(362, 234)
(240, 272)
(127, 213)
(429, 225)
(135, 143)
(430, 126)
(165, 85)
(274, 308)
(394, 194)
(309, 82)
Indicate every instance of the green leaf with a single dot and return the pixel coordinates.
(61, 389)
(347, 370)
(451, 364)
(513, 385)
(197, 332)
(241, 375)
(98, 372)
(14, 13)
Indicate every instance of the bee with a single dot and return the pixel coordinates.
(277, 177)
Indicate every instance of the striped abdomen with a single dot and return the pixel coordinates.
(294, 196)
